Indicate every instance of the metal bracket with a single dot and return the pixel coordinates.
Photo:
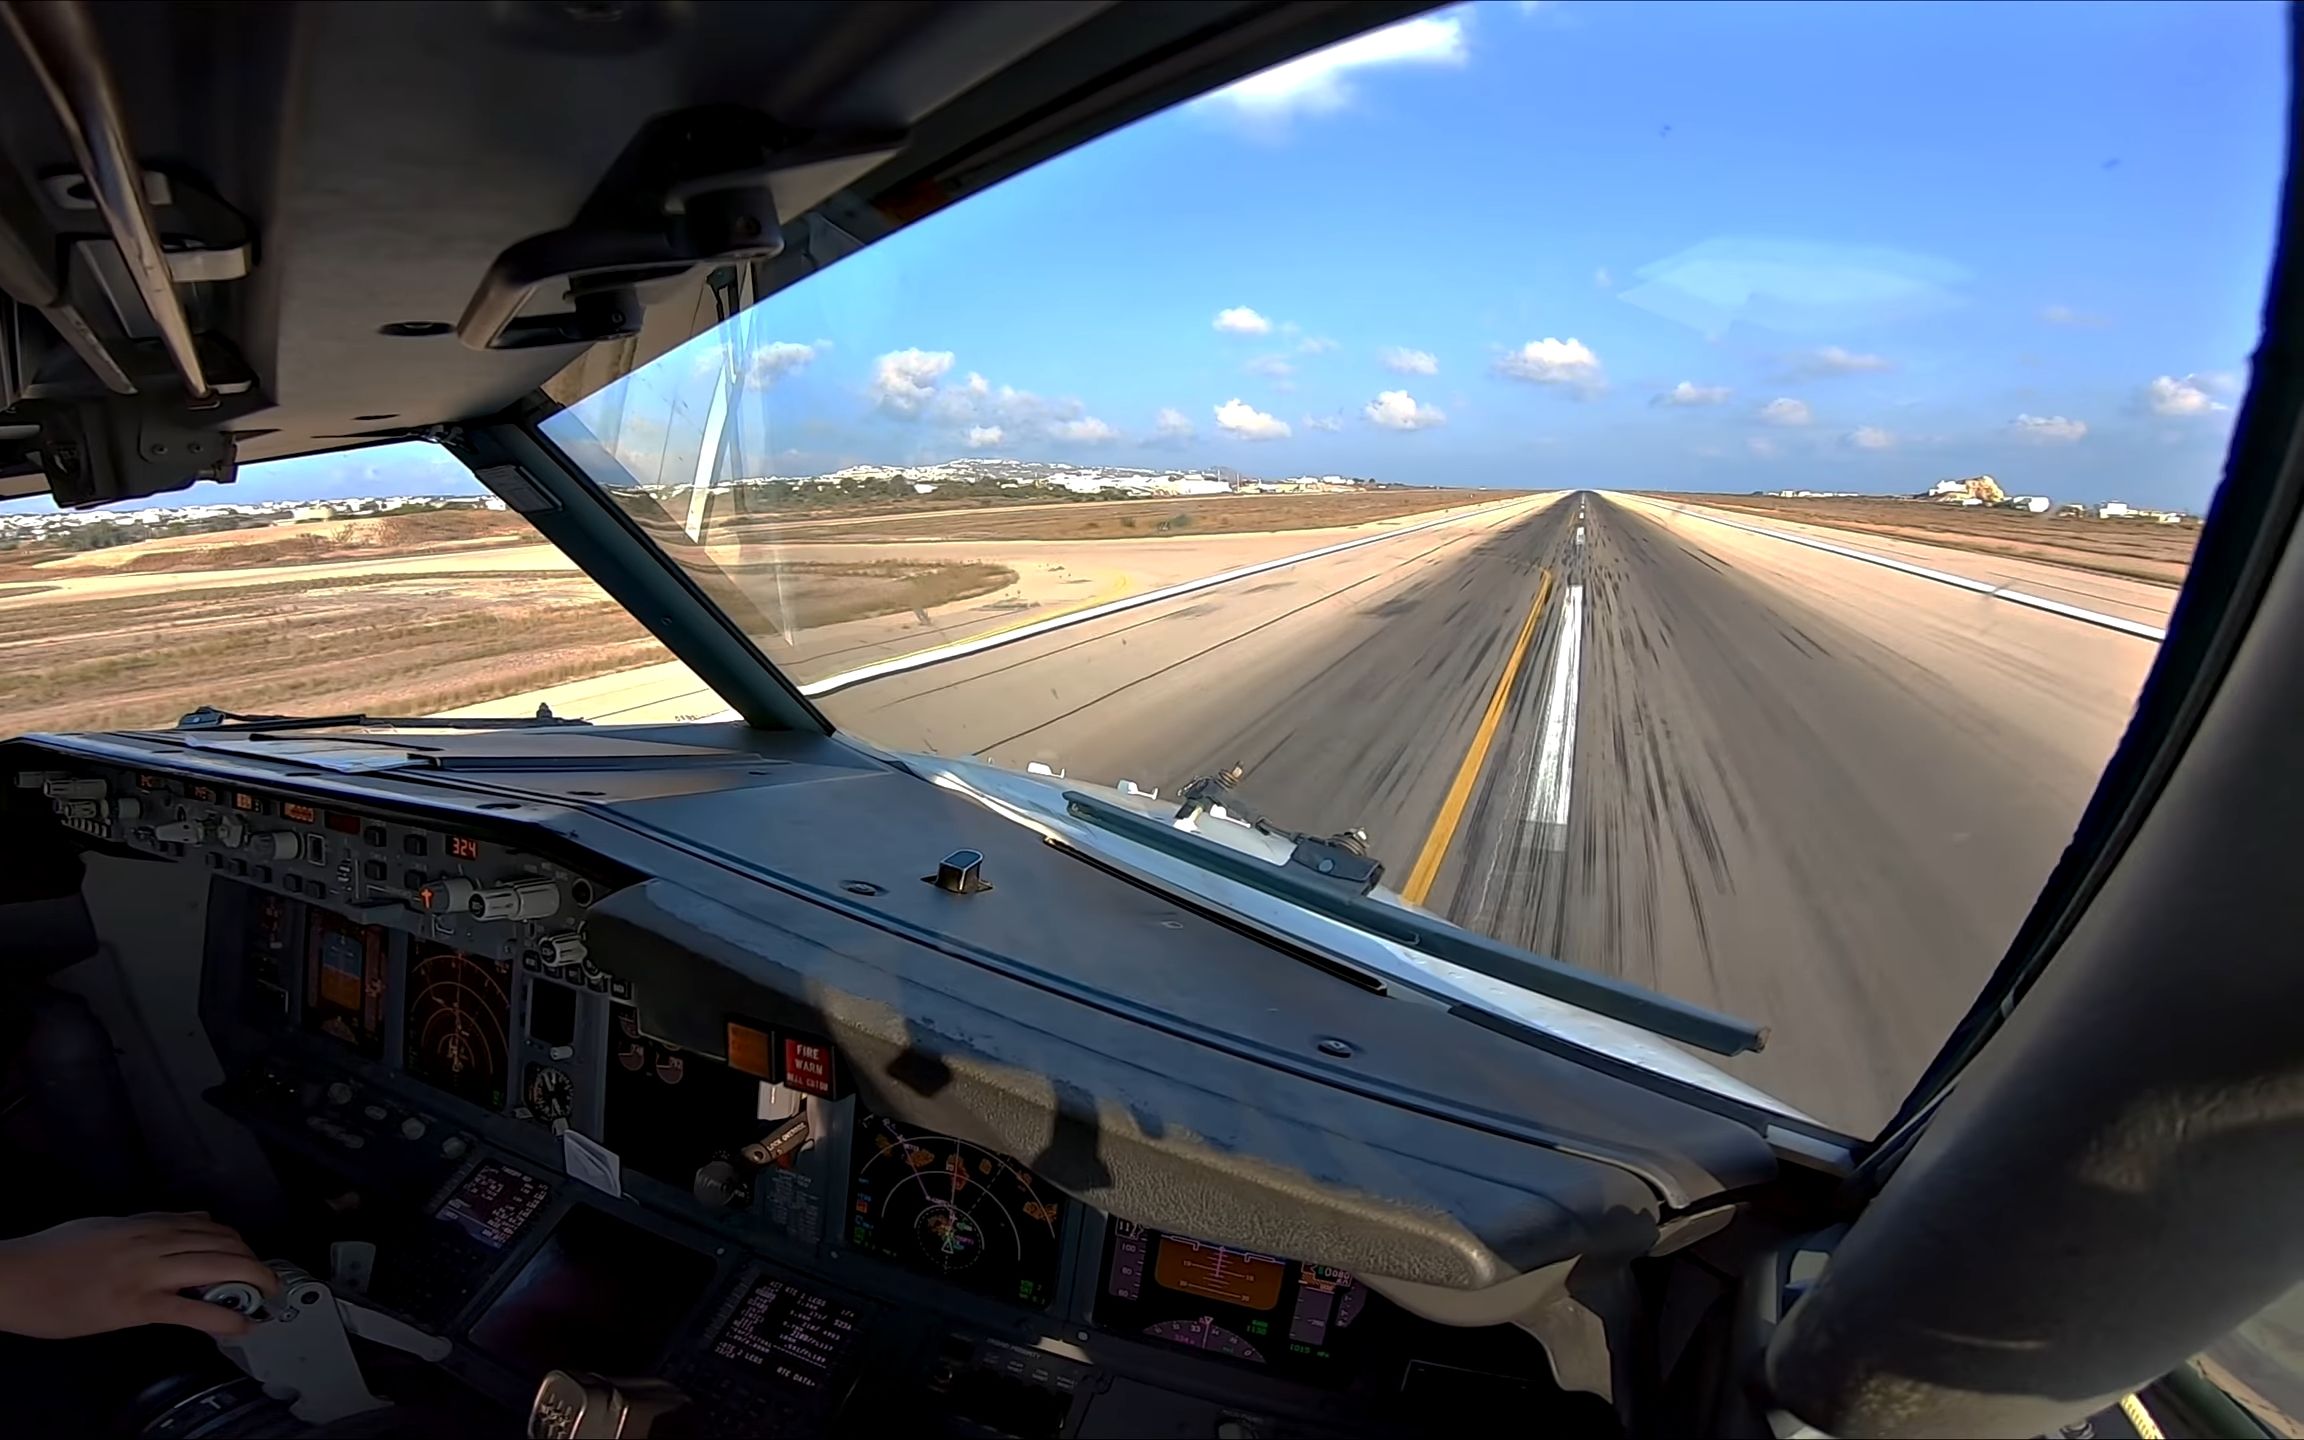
(96, 452)
(692, 189)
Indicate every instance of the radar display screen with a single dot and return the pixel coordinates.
(459, 1023)
(344, 969)
(795, 1335)
(1263, 1310)
(954, 1210)
(494, 1204)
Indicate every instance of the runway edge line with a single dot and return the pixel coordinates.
(961, 649)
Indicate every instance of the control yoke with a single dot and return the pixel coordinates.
(298, 1350)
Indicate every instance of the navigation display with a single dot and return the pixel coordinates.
(344, 969)
(1263, 1310)
(954, 1210)
(601, 1294)
(459, 1023)
(494, 1204)
(795, 1335)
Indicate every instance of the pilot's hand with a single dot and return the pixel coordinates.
(85, 1277)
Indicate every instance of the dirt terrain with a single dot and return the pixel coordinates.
(2136, 549)
(382, 643)
(387, 536)
(1095, 519)
(430, 611)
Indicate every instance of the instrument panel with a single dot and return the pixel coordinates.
(413, 1016)
(1257, 1309)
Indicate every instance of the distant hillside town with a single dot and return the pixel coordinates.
(98, 529)
(989, 477)
(1984, 490)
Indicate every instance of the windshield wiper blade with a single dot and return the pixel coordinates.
(208, 717)
(1430, 935)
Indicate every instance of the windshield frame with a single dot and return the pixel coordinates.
(555, 492)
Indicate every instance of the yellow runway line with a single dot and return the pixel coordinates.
(1427, 869)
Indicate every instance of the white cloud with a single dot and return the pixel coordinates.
(1240, 320)
(986, 437)
(1271, 367)
(1238, 417)
(2048, 429)
(1761, 447)
(1323, 422)
(1784, 410)
(2067, 316)
(1398, 410)
(1320, 83)
(1833, 360)
(2168, 395)
(1603, 279)
(1403, 361)
(1171, 424)
(1688, 392)
(1315, 345)
(1087, 430)
(1554, 362)
(1871, 437)
(904, 381)
(775, 360)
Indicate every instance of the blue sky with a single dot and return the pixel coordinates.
(1690, 247)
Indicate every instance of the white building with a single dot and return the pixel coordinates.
(2113, 510)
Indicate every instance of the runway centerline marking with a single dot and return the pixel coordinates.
(1556, 751)
(1435, 851)
(1942, 577)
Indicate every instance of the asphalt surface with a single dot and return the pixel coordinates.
(1809, 791)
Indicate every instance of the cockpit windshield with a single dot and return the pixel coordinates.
(1692, 492)
(1698, 490)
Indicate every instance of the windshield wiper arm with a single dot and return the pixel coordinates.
(1430, 935)
(208, 717)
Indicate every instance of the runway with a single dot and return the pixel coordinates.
(1813, 792)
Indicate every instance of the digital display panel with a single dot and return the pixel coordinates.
(795, 1335)
(246, 803)
(299, 812)
(459, 1023)
(343, 822)
(1285, 1315)
(494, 1204)
(204, 792)
(463, 847)
(957, 1211)
(601, 1294)
(344, 981)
